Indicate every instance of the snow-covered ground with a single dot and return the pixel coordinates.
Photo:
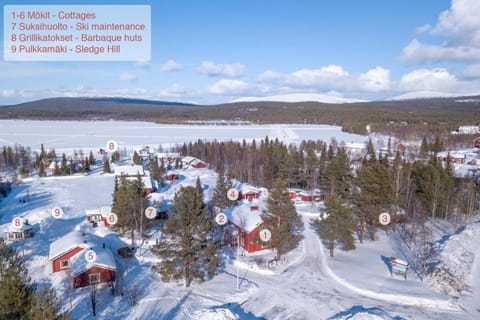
(353, 285)
(311, 285)
(92, 135)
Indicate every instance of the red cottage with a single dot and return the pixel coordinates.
(62, 250)
(246, 220)
(101, 270)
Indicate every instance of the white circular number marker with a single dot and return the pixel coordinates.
(265, 235)
(112, 146)
(17, 223)
(384, 218)
(112, 218)
(232, 194)
(57, 212)
(150, 212)
(90, 256)
(221, 218)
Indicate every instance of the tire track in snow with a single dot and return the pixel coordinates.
(312, 241)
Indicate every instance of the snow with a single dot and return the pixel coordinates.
(67, 243)
(104, 258)
(300, 97)
(66, 136)
(310, 285)
(243, 216)
(425, 95)
(131, 171)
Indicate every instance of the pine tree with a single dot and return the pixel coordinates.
(186, 250)
(91, 159)
(282, 219)
(336, 173)
(16, 291)
(129, 204)
(156, 170)
(41, 169)
(46, 306)
(338, 226)
(220, 199)
(375, 193)
(64, 165)
(106, 166)
(136, 158)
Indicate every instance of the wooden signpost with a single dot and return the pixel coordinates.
(399, 267)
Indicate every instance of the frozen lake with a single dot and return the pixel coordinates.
(94, 134)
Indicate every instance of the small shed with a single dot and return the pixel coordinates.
(101, 214)
(21, 233)
(172, 176)
(102, 270)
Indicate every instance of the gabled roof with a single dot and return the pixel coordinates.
(66, 244)
(244, 217)
(24, 227)
(130, 171)
(104, 259)
(103, 211)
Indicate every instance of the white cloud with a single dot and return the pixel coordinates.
(461, 26)
(127, 76)
(417, 51)
(170, 65)
(471, 72)
(328, 78)
(231, 70)
(425, 28)
(8, 93)
(142, 64)
(228, 87)
(175, 90)
(438, 79)
(375, 80)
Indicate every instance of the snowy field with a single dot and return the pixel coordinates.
(311, 285)
(88, 135)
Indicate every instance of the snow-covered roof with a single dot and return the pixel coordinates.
(356, 145)
(147, 182)
(24, 227)
(103, 211)
(104, 258)
(188, 159)
(244, 217)
(131, 171)
(66, 244)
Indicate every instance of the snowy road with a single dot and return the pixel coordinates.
(310, 290)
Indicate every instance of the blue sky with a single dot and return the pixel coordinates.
(211, 51)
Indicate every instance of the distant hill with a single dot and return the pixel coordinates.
(438, 114)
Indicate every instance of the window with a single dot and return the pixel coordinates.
(94, 278)
(64, 264)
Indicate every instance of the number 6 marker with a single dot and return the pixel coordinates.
(112, 218)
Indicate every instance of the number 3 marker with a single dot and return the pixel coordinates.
(384, 218)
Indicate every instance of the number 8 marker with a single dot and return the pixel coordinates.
(112, 146)
(17, 223)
